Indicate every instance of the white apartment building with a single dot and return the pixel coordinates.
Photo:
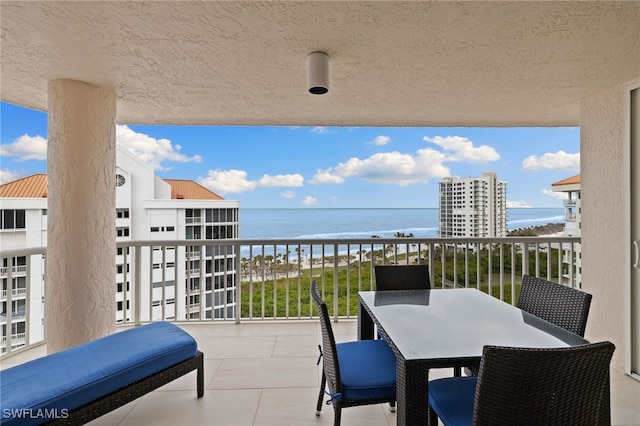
(473, 207)
(147, 208)
(23, 223)
(572, 226)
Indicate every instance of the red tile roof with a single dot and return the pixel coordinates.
(189, 190)
(35, 186)
(568, 181)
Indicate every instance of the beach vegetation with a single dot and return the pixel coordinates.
(282, 289)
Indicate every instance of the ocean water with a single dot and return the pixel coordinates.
(363, 223)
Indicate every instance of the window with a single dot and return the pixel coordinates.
(120, 268)
(20, 219)
(12, 219)
(18, 328)
(122, 232)
(194, 284)
(193, 232)
(155, 229)
(122, 213)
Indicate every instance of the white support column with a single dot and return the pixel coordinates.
(81, 240)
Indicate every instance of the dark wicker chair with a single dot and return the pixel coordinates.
(356, 373)
(402, 277)
(525, 386)
(563, 306)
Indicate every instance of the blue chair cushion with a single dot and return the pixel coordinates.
(71, 378)
(452, 399)
(367, 369)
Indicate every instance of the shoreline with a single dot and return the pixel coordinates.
(306, 263)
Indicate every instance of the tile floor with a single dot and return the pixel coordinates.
(265, 373)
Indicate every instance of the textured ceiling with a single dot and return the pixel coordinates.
(391, 63)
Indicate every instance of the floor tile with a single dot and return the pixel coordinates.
(266, 373)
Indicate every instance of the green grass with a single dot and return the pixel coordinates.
(291, 298)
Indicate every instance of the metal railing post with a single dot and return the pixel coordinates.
(137, 286)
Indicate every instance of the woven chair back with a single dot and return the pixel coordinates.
(402, 277)
(563, 306)
(524, 386)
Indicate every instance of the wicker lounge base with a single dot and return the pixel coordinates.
(134, 391)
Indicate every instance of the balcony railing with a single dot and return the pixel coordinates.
(16, 270)
(246, 280)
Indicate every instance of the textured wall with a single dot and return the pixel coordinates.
(602, 150)
(80, 294)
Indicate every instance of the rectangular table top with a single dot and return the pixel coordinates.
(442, 325)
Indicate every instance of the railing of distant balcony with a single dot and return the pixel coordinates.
(270, 279)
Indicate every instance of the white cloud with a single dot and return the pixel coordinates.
(319, 129)
(552, 161)
(150, 150)
(388, 167)
(381, 140)
(518, 204)
(228, 181)
(288, 194)
(326, 176)
(236, 181)
(558, 195)
(310, 201)
(459, 149)
(8, 176)
(405, 169)
(281, 180)
(26, 148)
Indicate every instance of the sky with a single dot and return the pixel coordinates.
(324, 167)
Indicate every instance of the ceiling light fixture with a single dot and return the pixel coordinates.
(318, 73)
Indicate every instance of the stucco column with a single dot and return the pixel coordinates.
(81, 240)
(604, 206)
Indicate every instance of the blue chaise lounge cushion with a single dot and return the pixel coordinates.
(71, 378)
(367, 369)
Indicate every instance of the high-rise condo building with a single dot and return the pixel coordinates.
(473, 207)
(147, 208)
